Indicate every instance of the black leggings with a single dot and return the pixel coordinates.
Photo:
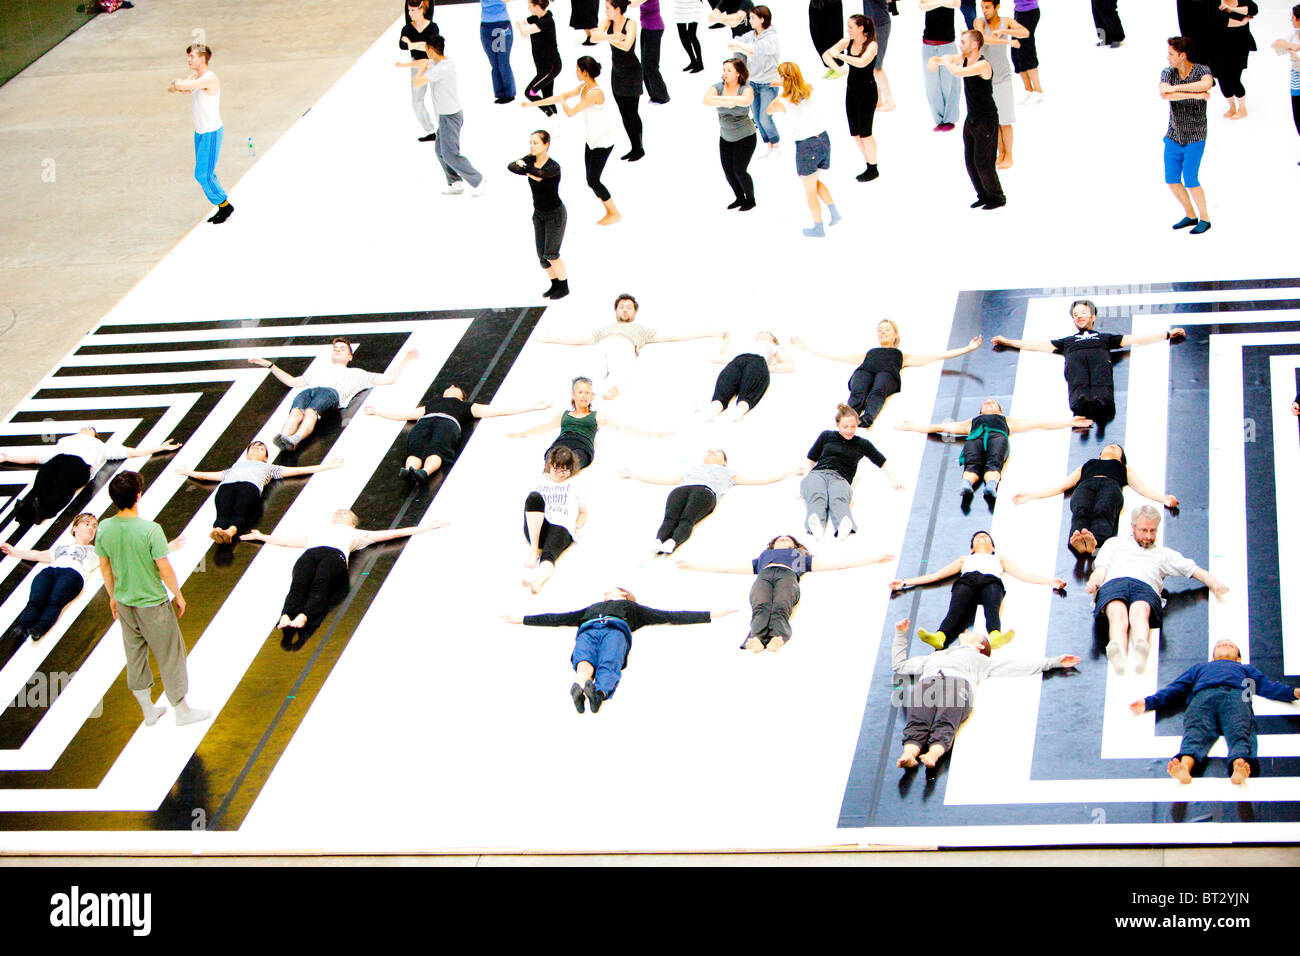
(543, 85)
(595, 160)
(1227, 68)
(971, 590)
(239, 503)
(1091, 381)
(57, 483)
(980, 139)
(1095, 505)
(434, 436)
(868, 391)
(977, 459)
(735, 165)
(689, 35)
(1295, 112)
(552, 540)
(772, 600)
(627, 108)
(687, 506)
(745, 378)
(316, 575)
(1105, 16)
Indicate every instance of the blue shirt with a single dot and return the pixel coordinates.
(1220, 673)
(494, 11)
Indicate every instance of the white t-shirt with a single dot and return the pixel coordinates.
(90, 450)
(983, 563)
(340, 537)
(206, 108)
(442, 81)
(1125, 558)
(79, 557)
(803, 119)
(563, 502)
(343, 379)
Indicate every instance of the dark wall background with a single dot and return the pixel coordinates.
(29, 28)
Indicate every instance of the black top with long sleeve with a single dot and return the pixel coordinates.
(410, 35)
(546, 192)
(633, 614)
(832, 452)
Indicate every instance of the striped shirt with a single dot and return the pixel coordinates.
(1186, 117)
(1295, 65)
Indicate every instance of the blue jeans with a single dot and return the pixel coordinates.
(497, 39)
(1219, 711)
(969, 11)
(942, 89)
(51, 590)
(207, 147)
(604, 645)
(764, 93)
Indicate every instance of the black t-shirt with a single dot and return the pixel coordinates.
(979, 96)
(883, 360)
(940, 25)
(992, 423)
(736, 6)
(1087, 339)
(633, 614)
(546, 194)
(833, 453)
(546, 51)
(453, 408)
(411, 35)
(796, 559)
(1111, 468)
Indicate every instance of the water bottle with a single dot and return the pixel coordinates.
(251, 151)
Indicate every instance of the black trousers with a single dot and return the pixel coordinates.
(57, 483)
(1194, 23)
(735, 165)
(980, 136)
(655, 87)
(1091, 380)
(1227, 68)
(239, 503)
(971, 590)
(627, 108)
(688, 33)
(771, 601)
(552, 540)
(745, 378)
(1105, 15)
(594, 160)
(316, 575)
(543, 84)
(687, 506)
(868, 391)
(1295, 112)
(936, 708)
(1095, 505)
(977, 459)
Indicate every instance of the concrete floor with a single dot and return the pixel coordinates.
(96, 187)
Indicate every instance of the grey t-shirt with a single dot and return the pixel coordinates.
(718, 478)
(258, 473)
(734, 123)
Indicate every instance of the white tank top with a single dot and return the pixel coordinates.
(207, 110)
(600, 133)
(983, 563)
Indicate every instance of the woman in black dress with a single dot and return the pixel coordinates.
(625, 81)
(824, 19)
(878, 373)
(857, 53)
(1098, 498)
(549, 214)
(1233, 45)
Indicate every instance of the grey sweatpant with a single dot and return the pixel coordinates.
(827, 494)
(936, 707)
(156, 629)
(419, 94)
(454, 165)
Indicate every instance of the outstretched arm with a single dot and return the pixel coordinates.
(146, 450)
(942, 428)
(706, 334)
(915, 360)
(378, 537)
(538, 429)
(1055, 584)
(843, 563)
(19, 459)
(1146, 491)
(488, 411)
(200, 475)
(603, 419)
(1210, 581)
(651, 479)
(769, 480)
(553, 340)
(297, 470)
(293, 381)
(388, 378)
(781, 362)
(255, 535)
(407, 416)
(854, 358)
(22, 554)
(1069, 482)
(1024, 345)
(946, 571)
(1173, 335)
(1029, 424)
(715, 568)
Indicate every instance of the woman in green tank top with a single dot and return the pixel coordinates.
(578, 425)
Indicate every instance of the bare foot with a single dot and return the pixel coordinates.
(284, 622)
(534, 586)
(931, 756)
(1180, 771)
(531, 558)
(908, 760)
(755, 645)
(775, 644)
(1240, 114)
(299, 621)
(1005, 164)
(1089, 541)
(1076, 540)
(1231, 114)
(885, 107)
(610, 393)
(609, 220)
(1240, 771)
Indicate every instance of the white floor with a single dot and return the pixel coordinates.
(443, 727)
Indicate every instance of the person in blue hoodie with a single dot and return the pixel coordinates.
(1218, 695)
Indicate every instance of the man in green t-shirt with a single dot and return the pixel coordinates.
(133, 558)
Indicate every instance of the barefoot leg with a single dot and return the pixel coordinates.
(908, 758)
(1180, 768)
(931, 756)
(1240, 770)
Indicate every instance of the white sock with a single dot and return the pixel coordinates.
(815, 527)
(185, 714)
(151, 713)
(667, 547)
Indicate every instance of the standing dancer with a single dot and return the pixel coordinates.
(441, 77)
(625, 83)
(1232, 49)
(1000, 33)
(323, 567)
(747, 373)
(440, 430)
(652, 41)
(549, 214)
(812, 144)
(205, 102)
(827, 487)
(762, 52)
(331, 388)
(862, 94)
(825, 18)
(877, 11)
(978, 584)
(1186, 85)
(1105, 17)
(688, 13)
(239, 496)
(414, 39)
(737, 134)
(597, 127)
(539, 27)
(584, 15)
(879, 370)
(67, 468)
(939, 38)
(497, 39)
(1291, 46)
(980, 134)
(1025, 56)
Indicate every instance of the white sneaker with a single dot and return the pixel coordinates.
(845, 529)
(1116, 655)
(478, 190)
(667, 547)
(1026, 99)
(764, 151)
(775, 151)
(815, 528)
(455, 189)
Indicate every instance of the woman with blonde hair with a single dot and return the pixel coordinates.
(812, 144)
